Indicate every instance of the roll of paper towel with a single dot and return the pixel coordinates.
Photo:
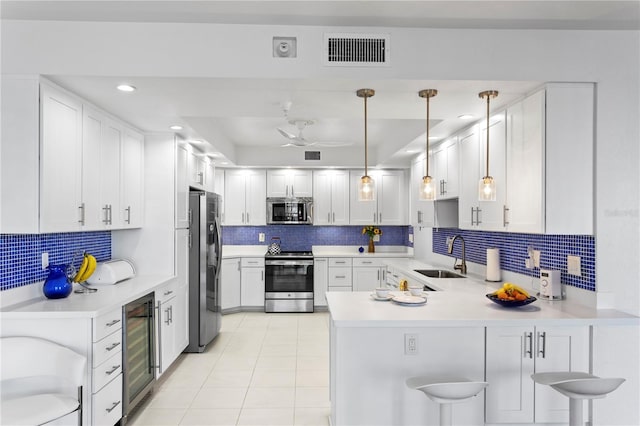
(493, 264)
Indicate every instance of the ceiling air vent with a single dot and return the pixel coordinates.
(356, 50)
(312, 155)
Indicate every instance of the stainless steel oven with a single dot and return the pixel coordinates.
(138, 352)
(289, 282)
(296, 211)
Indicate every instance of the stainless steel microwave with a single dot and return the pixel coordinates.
(282, 211)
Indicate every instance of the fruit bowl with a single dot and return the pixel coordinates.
(510, 303)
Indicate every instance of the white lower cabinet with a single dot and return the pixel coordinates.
(320, 281)
(171, 334)
(368, 274)
(106, 388)
(513, 354)
(230, 284)
(340, 278)
(252, 282)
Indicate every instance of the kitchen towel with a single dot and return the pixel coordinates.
(493, 264)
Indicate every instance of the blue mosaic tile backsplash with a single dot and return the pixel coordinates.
(302, 237)
(21, 255)
(513, 252)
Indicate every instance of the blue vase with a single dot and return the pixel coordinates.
(57, 285)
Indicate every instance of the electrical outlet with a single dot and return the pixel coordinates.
(528, 263)
(410, 238)
(376, 238)
(536, 258)
(411, 344)
(573, 266)
(261, 237)
(45, 260)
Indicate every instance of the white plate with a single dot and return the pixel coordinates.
(409, 300)
(375, 297)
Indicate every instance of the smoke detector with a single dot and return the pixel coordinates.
(285, 47)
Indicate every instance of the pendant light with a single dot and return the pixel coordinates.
(487, 185)
(428, 186)
(366, 185)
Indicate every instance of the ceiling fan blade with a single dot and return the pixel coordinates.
(286, 134)
(332, 144)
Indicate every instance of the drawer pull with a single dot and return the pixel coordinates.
(166, 293)
(340, 276)
(113, 346)
(112, 323)
(113, 370)
(115, 404)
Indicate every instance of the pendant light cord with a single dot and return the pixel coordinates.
(365, 137)
(488, 97)
(426, 157)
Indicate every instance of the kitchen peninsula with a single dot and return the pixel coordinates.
(459, 331)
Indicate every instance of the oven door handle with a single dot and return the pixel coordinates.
(288, 262)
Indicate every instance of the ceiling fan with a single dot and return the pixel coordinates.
(299, 139)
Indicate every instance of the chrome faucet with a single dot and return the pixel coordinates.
(462, 267)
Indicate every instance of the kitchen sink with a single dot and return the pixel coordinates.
(438, 273)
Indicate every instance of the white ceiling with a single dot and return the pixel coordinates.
(248, 113)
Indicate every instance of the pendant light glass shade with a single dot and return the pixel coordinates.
(427, 186)
(366, 185)
(487, 185)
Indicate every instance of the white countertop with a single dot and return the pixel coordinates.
(352, 251)
(86, 305)
(461, 302)
(243, 251)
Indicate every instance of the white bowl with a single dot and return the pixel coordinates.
(382, 292)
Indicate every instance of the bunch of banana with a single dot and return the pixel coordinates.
(510, 291)
(86, 269)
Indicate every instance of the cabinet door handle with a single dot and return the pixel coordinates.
(242, 217)
(115, 404)
(328, 217)
(112, 323)
(105, 209)
(112, 347)
(166, 293)
(113, 370)
(81, 208)
(444, 186)
(374, 217)
(110, 214)
(528, 337)
(505, 209)
(128, 210)
(419, 216)
(472, 209)
(248, 218)
(334, 217)
(542, 348)
(190, 216)
(262, 275)
(378, 275)
(190, 239)
(368, 262)
(478, 222)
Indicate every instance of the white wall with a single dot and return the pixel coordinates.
(611, 59)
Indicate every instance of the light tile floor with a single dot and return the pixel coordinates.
(263, 369)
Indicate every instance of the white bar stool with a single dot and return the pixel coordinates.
(578, 386)
(446, 390)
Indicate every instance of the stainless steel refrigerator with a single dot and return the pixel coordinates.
(205, 250)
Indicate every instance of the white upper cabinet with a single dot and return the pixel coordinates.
(132, 179)
(474, 214)
(331, 199)
(182, 185)
(289, 183)
(446, 168)
(197, 170)
(247, 205)
(524, 205)
(66, 176)
(60, 162)
(390, 205)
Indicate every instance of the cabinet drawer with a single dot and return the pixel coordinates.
(339, 262)
(252, 262)
(107, 404)
(167, 292)
(107, 324)
(105, 348)
(107, 371)
(368, 262)
(340, 277)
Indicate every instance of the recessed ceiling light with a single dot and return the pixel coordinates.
(465, 117)
(175, 127)
(126, 88)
